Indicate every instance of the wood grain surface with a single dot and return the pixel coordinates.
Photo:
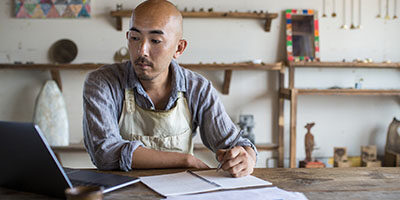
(326, 183)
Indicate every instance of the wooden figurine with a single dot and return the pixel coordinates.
(309, 162)
(309, 142)
(369, 157)
(340, 157)
(392, 148)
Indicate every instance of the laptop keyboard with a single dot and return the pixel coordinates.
(86, 183)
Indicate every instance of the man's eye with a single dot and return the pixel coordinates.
(135, 38)
(155, 41)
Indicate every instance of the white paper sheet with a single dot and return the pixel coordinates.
(267, 193)
(228, 182)
(187, 183)
(176, 184)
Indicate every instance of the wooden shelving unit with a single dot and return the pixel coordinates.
(268, 17)
(228, 68)
(292, 93)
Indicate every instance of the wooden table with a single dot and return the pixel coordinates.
(327, 183)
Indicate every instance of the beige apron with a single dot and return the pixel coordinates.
(160, 130)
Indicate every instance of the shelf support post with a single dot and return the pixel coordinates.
(55, 75)
(267, 26)
(227, 81)
(291, 76)
(119, 23)
(281, 119)
(293, 121)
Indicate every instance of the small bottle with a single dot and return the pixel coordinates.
(358, 84)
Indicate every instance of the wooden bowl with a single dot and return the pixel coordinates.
(63, 51)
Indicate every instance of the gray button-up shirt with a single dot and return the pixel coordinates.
(103, 96)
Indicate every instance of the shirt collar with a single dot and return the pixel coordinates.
(178, 79)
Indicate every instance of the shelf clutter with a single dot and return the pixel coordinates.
(119, 14)
(291, 93)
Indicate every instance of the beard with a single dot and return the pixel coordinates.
(141, 74)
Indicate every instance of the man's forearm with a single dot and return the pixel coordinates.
(150, 158)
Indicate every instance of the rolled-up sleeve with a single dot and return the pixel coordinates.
(102, 103)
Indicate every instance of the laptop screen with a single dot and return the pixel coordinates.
(28, 163)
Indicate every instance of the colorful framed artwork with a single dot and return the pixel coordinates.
(52, 8)
(302, 35)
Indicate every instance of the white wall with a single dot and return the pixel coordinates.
(340, 121)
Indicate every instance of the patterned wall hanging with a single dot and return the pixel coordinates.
(52, 8)
(302, 35)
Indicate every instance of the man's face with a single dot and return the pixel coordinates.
(153, 42)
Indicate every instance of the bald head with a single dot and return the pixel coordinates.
(158, 13)
(154, 39)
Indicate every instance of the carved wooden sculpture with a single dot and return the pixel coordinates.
(309, 162)
(309, 142)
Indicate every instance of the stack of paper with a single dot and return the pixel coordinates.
(267, 193)
(195, 182)
(187, 184)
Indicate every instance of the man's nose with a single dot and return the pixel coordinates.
(144, 48)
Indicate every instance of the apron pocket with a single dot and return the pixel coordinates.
(175, 143)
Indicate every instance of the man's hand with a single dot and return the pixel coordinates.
(238, 161)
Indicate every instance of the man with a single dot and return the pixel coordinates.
(144, 113)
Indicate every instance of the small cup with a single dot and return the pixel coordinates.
(84, 193)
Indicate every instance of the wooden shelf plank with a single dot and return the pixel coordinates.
(260, 147)
(87, 66)
(266, 147)
(367, 92)
(235, 66)
(92, 66)
(198, 147)
(248, 15)
(70, 148)
(245, 15)
(345, 65)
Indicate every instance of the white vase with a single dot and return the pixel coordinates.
(51, 115)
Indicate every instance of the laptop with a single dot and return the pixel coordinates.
(28, 164)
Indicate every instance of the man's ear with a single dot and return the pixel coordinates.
(182, 44)
(127, 35)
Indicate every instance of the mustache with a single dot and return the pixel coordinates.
(143, 61)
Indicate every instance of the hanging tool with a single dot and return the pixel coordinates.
(359, 15)
(344, 26)
(387, 17)
(333, 8)
(352, 15)
(380, 9)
